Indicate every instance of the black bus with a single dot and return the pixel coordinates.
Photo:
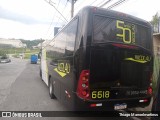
(101, 60)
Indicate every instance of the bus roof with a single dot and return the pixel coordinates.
(113, 13)
(110, 13)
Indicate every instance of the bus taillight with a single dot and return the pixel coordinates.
(124, 46)
(94, 9)
(83, 85)
(145, 100)
(149, 91)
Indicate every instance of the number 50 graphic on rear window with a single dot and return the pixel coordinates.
(126, 32)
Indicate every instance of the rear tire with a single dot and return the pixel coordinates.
(51, 90)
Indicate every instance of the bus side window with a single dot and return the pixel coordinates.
(71, 38)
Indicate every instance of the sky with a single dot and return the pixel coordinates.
(36, 19)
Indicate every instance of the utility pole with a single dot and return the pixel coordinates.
(72, 7)
(158, 24)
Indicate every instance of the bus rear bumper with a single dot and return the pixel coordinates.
(108, 105)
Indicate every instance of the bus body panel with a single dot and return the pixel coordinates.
(60, 61)
(62, 80)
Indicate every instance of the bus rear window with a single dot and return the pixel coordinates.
(108, 30)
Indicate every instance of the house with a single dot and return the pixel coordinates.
(12, 42)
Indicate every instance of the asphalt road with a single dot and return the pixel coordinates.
(21, 89)
(8, 74)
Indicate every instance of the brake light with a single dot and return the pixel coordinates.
(96, 105)
(149, 91)
(94, 9)
(124, 46)
(83, 85)
(145, 100)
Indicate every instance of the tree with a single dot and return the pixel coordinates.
(155, 22)
(31, 43)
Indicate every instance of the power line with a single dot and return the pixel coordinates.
(51, 3)
(116, 4)
(105, 3)
(93, 2)
(53, 16)
(56, 24)
(59, 18)
(100, 3)
(50, 24)
(63, 9)
(58, 3)
(80, 4)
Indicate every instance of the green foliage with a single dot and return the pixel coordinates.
(3, 52)
(31, 43)
(27, 56)
(155, 22)
(11, 50)
(15, 56)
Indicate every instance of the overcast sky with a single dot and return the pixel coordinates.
(35, 19)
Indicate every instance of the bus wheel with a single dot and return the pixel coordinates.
(51, 90)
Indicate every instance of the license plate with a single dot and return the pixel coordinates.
(120, 106)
